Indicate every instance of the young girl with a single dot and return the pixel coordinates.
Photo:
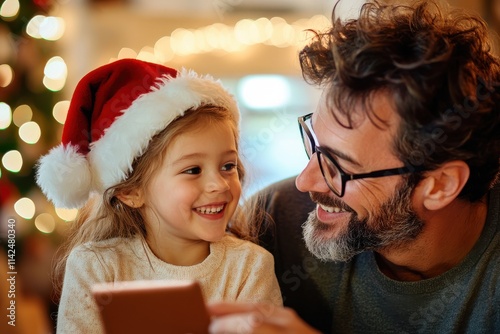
(153, 154)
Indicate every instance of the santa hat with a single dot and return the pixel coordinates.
(114, 112)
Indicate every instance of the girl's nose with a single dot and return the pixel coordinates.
(217, 183)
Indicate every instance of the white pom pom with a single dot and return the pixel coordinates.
(64, 177)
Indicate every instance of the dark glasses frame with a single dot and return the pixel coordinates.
(344, 176)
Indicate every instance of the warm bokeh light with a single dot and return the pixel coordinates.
(60, 111)
(55, 72)
(6, 75)
(55, 68)
(54, 85)
(5, 115)
(201, 41)
(183, 42)
(25, 208)
(33, 27)
(12, 161)
(214, 34)
(265, 28)
(218, 36)
(30, 132)
(127, 53)
(318, 22)
(283, 33)
(246, 32)
(45, 223)
(67, 214)
(162, 50)
(52, 28)
(9, 8)
(22, 114)
(147, 54)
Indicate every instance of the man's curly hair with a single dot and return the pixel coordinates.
(437, 67)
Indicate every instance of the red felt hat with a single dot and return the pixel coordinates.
(114, 112)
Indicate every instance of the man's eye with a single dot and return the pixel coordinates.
(229, 166)
(194, 170)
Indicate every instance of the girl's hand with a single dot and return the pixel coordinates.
(248, 318)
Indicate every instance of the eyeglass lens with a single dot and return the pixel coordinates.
(329, 170)
(307, 144)
(331, 174)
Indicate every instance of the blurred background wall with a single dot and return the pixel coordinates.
(46, 46)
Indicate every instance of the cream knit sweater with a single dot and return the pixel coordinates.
(235, 270)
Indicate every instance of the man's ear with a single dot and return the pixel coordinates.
(132, 198)
(442, 185)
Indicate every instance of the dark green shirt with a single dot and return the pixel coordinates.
(355, 297)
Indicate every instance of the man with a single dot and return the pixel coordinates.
(404, 152)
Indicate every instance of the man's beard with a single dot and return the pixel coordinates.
(393, 225)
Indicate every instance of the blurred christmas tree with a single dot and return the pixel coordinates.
(31, 77)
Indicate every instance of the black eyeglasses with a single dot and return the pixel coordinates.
(334, 176)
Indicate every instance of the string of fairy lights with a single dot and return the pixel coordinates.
(245, 33)
(276, 32)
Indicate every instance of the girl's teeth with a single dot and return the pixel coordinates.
(210, 210)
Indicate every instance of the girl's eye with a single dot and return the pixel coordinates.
(194, 170)
(229, 166)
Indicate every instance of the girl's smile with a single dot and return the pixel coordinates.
(195, 191)
(211, 211)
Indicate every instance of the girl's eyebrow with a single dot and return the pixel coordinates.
(187, 157)
(198, 155)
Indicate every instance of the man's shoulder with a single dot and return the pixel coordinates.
(284, 199)
(284, 188)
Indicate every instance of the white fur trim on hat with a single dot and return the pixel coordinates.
(64, 176)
